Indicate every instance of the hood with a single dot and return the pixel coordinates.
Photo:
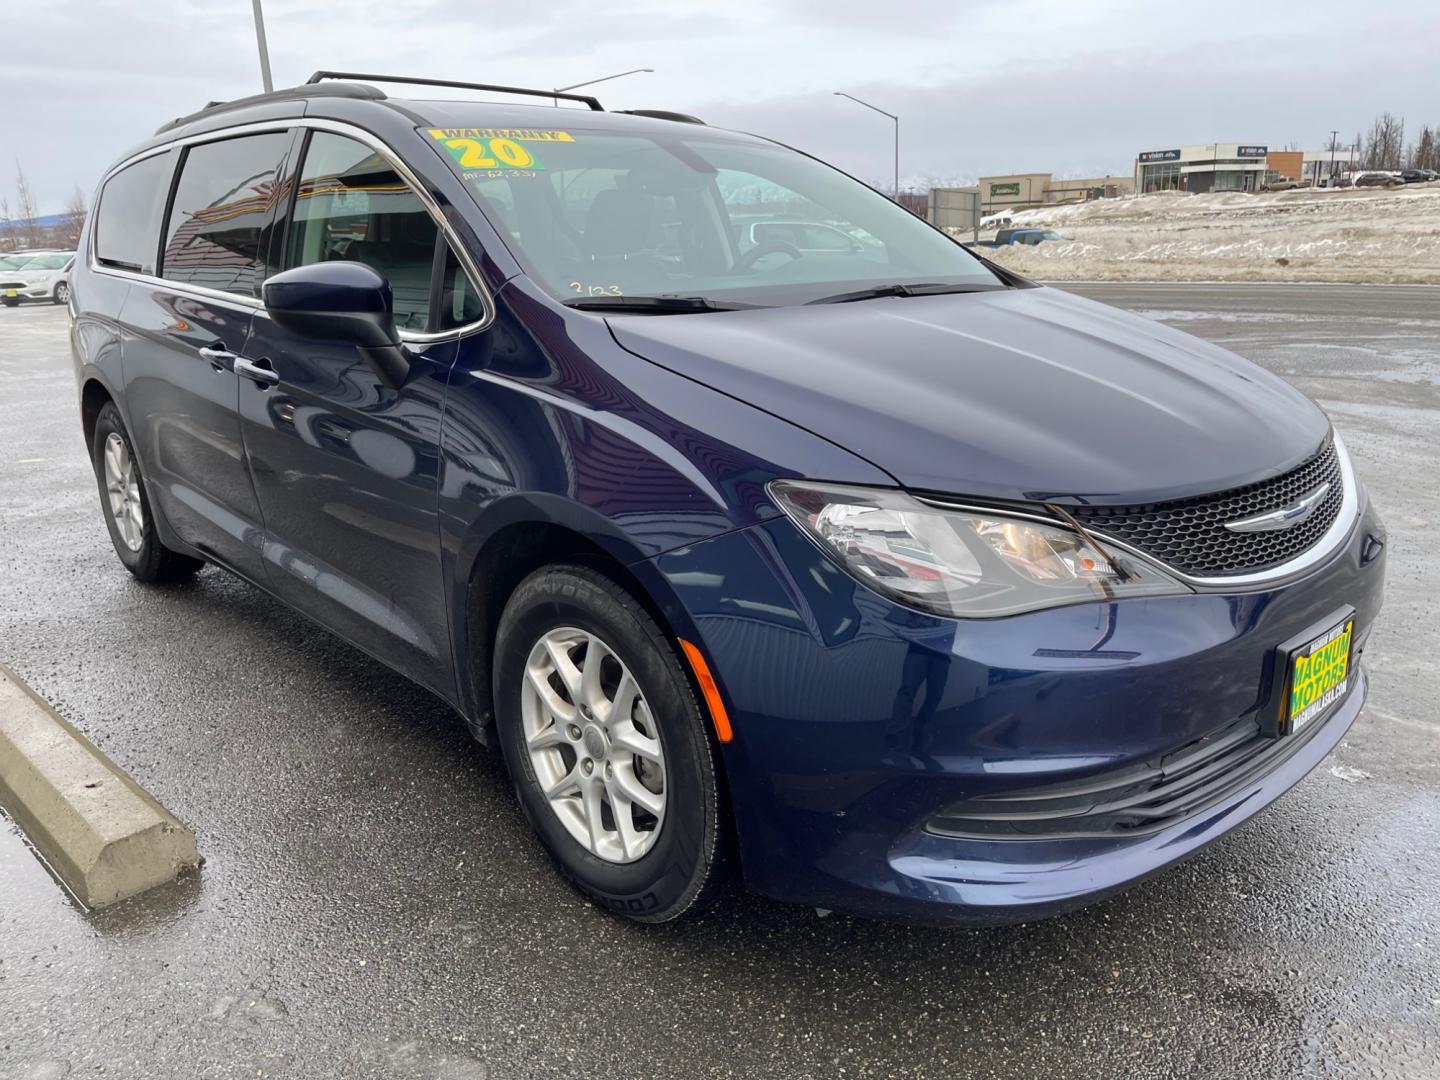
(1024, 394)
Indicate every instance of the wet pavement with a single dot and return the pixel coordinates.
(373, 905)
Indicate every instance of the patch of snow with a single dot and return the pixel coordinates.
(1345, 772)
(1387, 235)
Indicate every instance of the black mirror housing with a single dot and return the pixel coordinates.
(341, 301)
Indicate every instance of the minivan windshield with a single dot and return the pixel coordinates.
(694, 213)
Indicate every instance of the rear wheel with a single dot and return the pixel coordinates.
(607, 745)
(127, 507)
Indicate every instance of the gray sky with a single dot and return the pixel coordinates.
(982, 86)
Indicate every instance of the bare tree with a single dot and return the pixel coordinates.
(1385, 145)
(1425, 150)
(72, 222)
(29, 228)
(8, 238)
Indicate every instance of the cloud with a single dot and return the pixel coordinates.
(1089, 115)
(980, 86)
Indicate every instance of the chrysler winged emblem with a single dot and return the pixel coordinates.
(1283, 518)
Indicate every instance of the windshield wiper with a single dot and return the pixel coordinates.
(927, 288)
(654, 305)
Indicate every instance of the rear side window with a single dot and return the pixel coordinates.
(127, 225)
(218, 235)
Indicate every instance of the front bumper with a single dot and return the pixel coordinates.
(13, 291)
(858, 721)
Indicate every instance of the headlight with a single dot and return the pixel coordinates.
(963, 563)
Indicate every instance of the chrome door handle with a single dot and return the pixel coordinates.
(257, 371)
(221, 358)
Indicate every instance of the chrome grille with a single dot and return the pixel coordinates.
(1190, 534)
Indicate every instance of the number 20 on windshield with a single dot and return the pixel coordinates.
(490, 153)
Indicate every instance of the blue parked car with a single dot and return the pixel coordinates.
(1026, 237)
(878, 576)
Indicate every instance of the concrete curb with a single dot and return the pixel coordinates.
(100, 831)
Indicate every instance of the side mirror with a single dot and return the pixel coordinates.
(341, 301)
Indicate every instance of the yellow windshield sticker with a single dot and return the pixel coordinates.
(513, 134)
(495, 151)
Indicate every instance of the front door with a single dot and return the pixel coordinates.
(346, 468)
(182, 337)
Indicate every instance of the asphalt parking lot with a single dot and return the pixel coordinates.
(373, 904)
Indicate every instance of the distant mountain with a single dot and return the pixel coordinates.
(15, 225)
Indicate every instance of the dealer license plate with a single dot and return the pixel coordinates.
(11, 293)
(1319, 677)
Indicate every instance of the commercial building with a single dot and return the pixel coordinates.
(1023, 191)
(1234, 166)
(1319, 165)
(1208, 167)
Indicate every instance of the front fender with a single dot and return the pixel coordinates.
(549, 421)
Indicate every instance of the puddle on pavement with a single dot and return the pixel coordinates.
(26, 878)
(27, 884)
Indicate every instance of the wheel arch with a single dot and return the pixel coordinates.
(94, 396)
(518, 535)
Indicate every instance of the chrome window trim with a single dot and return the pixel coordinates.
(467, 261)
(1320, 551)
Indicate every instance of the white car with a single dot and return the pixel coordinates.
(44, 276)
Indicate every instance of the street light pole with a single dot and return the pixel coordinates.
(592, 82)
(1334, 138)
(264, 48)
(892, 116)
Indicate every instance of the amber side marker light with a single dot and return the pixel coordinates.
(718, 716)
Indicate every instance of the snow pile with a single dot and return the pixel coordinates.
(1370, 235)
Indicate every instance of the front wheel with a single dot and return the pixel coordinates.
(127, 505)
(607, 745)
(62, 293)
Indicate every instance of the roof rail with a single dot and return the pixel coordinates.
(289, 93)
(665, 114)
(555, 94)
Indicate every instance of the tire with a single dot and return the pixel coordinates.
(141, 552)
(675, 867)
(12, 303)
(62, 293)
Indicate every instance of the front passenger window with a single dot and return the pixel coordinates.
(352, 205)
(460, 303)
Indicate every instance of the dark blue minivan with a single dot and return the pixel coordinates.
(826, 554)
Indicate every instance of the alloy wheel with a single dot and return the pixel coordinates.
(122, 487)
(594, 745)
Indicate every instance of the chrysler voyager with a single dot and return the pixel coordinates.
(868, 573)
